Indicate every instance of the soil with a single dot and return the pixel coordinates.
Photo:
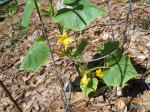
(41, 91)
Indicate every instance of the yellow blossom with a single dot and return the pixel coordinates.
(64, 40)
(99, 73)
(84, 80)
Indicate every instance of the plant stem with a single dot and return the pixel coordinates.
(76, 35)
(83, 64)
(9, 95)
(51, 8)
(16, 1)
(95, 68)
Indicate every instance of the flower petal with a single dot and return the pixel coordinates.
(64, 40)
(84, 80)
(99, 73)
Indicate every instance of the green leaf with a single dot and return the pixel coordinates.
(121, 71)
(108, 48)
(69, 1)
(74, 2)
(90, 87)
(78, 17)
(80, 48)
(27, 12)
(36, 57)
(7, 10)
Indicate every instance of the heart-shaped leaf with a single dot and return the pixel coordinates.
(36, 57)
(120, 72)
(78, 17)
(108, 48)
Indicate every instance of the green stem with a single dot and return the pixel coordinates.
(81, 55)
(76, 36)
(95, 68)
(60, 29)
(77, 67)
(51, 8)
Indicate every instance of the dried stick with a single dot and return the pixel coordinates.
(9, 95)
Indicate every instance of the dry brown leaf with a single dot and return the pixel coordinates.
(77, 96)
(120, 105)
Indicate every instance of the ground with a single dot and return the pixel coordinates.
(41, 91)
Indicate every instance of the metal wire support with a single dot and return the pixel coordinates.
(69, 87)
(67, 105)
(127, 22)
(124, 35)
(110, 20)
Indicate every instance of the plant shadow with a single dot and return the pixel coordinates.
(95, 63)
(136, 86)
(76, 85)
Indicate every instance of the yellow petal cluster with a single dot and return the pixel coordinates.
(84, 80)
(64, 40)
(99, 73)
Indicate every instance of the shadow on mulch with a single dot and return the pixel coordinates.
(136, 86)
(96, 63)
(76, 85)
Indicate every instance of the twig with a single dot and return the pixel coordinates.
(9, 95)
(52, 55)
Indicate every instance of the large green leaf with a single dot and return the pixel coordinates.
(27, 12)
(90, 87)
(80, 48)
(78, 17)
(120, 72)
(36, 56)
(108, 48)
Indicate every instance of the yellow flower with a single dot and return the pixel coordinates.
(64, 40)
(99, 73)
(84, 80)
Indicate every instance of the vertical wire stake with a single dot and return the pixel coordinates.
(52, 56)
(126, 24)
(110, 20)
(9, 95)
